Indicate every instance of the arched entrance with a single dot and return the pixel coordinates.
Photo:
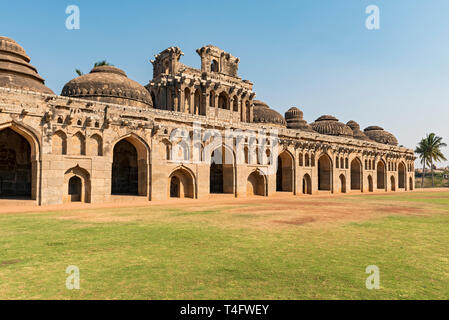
(221, 171)
(256, 184)
(307, 184)
(181, 184)
(380, 175)
(342, 186)
(75, 189)
(130, 167)
(76, 185)
(15, 165)
(370, 184)
(393, 183)
(324, 173)
(356, 174)
(284, 174)
(401, 176)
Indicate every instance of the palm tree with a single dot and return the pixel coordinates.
(429, 151)
(97, 64)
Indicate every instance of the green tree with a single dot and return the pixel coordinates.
(97, 64)
(429, 151)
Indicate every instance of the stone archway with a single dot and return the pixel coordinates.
(284, 173)
(356, 174)
(77, 187)
(401, 176)
(342, 186)
(380, 175)
(370, 184)
(306, 184)
(19, 166)
(256, 184)
(130, 167)
(393, 183)
(181, 184)
(324, 173)
(221, 171)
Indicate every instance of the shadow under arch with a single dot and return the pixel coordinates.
(130, 166)
(325, 172)
(222, 170)
(285, 171)
(256, 184)
(31, 152)
(77, 185)
(182, 183)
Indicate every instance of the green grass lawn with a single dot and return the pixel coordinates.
(229, 252)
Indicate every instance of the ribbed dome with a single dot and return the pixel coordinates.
(15, 70)
(358, 134)
(108, 84)
(330, 125)
(378, 134)
(262, 113)
(294, 118)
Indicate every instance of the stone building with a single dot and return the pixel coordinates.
(188, 133)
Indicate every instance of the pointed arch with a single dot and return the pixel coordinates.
(370, 184)
(381, 174)
(342, 186)
(325, 173)
(130, 167)
(285, 172)
(182, 183)
(96, 145)
(59, 143)
(77, 186)
(256, 184)
(402, 183)
(356, 174)
(78, 144)
(21, 146)
(307, 184)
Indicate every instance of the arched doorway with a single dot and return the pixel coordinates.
(393, 183)
(356, 174)
(401, 176)
(284, 173)
(324, 173)
(15, 165)
(370, 184)
(181, 184)
(75, 189)
(77, 185)
(124, 169)
(130, 167)
(342, 187)
(256, 184)
(411, 186)
(223, 101)
(307, 184)
(221, 171)
(380, 175)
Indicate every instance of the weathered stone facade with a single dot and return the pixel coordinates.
(107, 137)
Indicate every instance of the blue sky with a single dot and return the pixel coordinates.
(313, 54)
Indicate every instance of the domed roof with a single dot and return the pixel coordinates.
(15, 70)
(330, 125)
(294, 118)
(378, 134)
(262, 113)
(358, 134)
(108, 84)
